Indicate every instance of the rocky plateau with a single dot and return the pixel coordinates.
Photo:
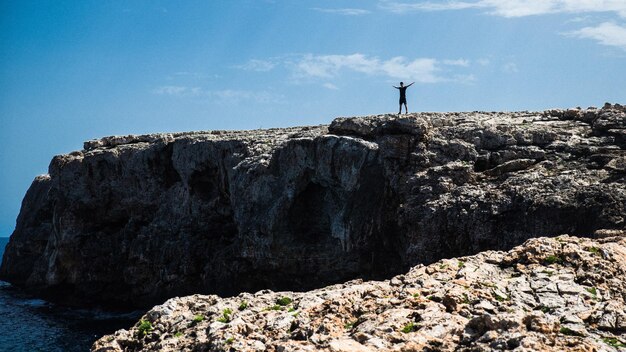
(135, 220)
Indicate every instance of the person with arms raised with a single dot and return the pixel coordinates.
(402, 89)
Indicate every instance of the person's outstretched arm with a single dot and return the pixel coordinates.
(396, 87)
(410, 84)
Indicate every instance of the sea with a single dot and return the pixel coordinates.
(28, 323)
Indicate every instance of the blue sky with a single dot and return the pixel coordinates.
(76, 70)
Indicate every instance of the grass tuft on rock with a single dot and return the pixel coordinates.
(284, 301)
(226, 316)
(144, 328)
(410, 327)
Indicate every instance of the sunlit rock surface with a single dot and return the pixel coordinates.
(550, 294)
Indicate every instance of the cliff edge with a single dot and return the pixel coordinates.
(134, 220)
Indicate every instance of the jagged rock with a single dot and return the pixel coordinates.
(497, 296)
(138, 219)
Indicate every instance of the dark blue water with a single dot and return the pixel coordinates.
(31, 324)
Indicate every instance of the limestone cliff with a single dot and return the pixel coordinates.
(138, 219)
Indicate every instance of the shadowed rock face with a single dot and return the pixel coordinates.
(137, 219)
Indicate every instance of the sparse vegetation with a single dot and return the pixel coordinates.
(226, 316)
(569, 332)
(284, 301)
(416, 295)
(349, 325)
(613, 342)
(178, 334)
(594, 250)
(461, 264)
(593, 291)
(144, 327)
(198, 318)
(243, 305)
(410, 327)
(229, 341)
(551, 259)
(274, 307)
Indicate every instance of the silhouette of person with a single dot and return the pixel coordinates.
(402, 89)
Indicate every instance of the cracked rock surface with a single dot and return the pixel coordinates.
(549, 294)
(134, 220)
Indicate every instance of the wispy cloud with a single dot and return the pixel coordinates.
(607, 33)
(511, 8)
(322, 69)
(423, 70)
(257, 65)
(327, 66)
(404, 7)
(344, 11)
(225, 95)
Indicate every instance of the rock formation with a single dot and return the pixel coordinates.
(138, 219)
(550, 294)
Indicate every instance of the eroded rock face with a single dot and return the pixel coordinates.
(138, 219)
(550, 294)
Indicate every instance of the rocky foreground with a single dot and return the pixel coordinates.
(549, 294)
(134, 220)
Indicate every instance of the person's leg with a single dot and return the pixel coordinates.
(400, 111)
(406, 108)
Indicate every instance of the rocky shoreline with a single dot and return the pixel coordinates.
(549, 294)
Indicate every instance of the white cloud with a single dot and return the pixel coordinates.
(606, 33)
(226, 95)
(257, 65)
(424, 70)
(330, 86)
(512, 8)
(326, 66)
(344, 12)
